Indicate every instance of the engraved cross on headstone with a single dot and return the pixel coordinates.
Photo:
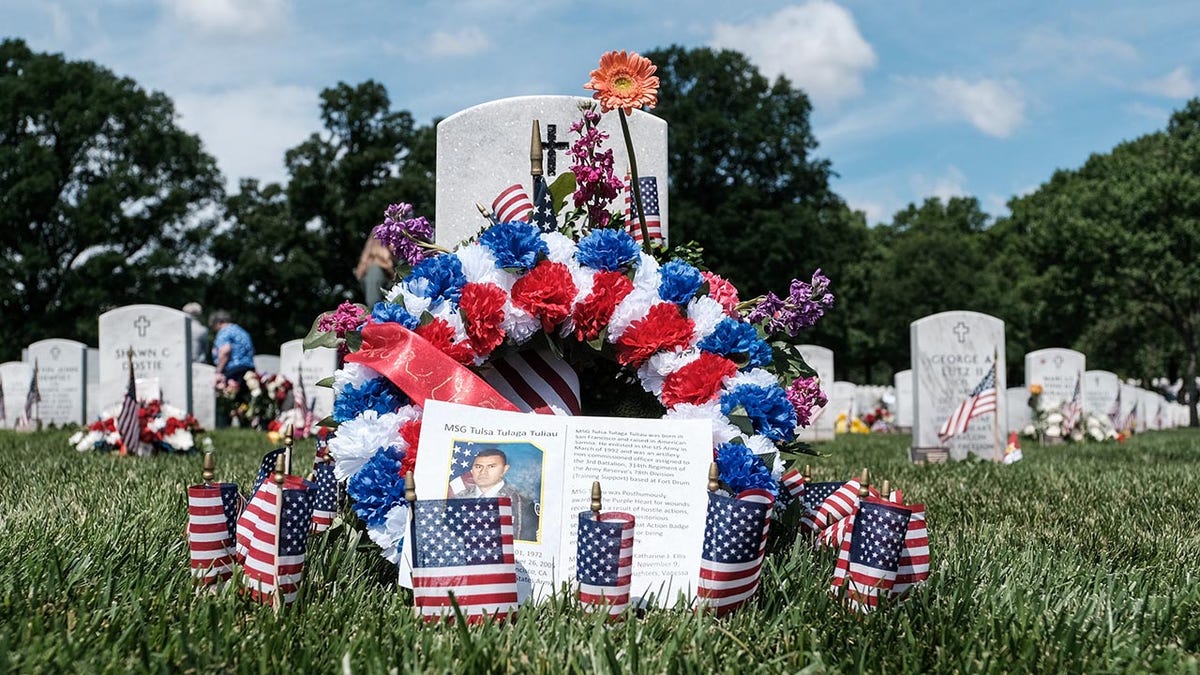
(141, 325)
(961, 331)
(550, 146)
(55, 352)
(1058, 361)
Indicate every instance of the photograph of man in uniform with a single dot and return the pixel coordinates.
(488, 470)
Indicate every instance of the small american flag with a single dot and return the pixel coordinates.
(325, 489)
(129, 423)
(837, 506)
(265, 469)
(815, 494)
(913, 567)
(870, 555)
(982, 400)
(212, 530)
(272, 541)
(1131, 419)
(1114, 413)
(512, 204)
(735, 539)
(300, 401)
(793, 482)
(604, 561)
(34, 397)
(463, 554)
(1073, 410)
(3, 414)
(649, 188)
(544, 217)
(536, 381)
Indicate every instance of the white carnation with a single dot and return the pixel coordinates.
(352, 376)
(479, 265)
(562, 248)
(390, 535)
(658, 367)
(705, 313)
(757, 377)
(722, 430)
(517, 324)
(357, 440)
(647, 276)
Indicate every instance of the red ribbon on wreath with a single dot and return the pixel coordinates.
(423, 371)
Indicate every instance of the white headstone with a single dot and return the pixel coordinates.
(868, 397)
(161, 339)
(1059, 371)
(92, 387)
(1019, 414)
(1131, 406)
(14, 381)
(821, 360)
(204, 397)
(484, 149)
(62, 380)
(1147, 407)
(904, 399)
(315, 365)
(1102, 394)
(952, 354)
(266, 363)
(841, 401)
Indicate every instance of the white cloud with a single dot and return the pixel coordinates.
(951, 184)
(1178, 83)
(236, 18)
(1079, 54)
(248, 129)
(60, 20)
(465, 41)
(816, 45)
(1151, 112)
(994, 107)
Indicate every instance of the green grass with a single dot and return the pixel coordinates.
(1075, 560)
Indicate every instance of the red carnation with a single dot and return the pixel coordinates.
(697, 382)
(593, 314)
(663, 327)
(482, 306)
(441, 335)
(546, 292)
(410, 431)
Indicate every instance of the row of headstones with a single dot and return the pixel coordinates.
(77, 383)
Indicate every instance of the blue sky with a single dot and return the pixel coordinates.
(911, 98)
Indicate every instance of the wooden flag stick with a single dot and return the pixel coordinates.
(807, 473)
(288, 441)
(596, 502)
(280, 466)
(886, 491)
(210, 466)
(714, 477)
(483, 211)
(410, 489)
(535, 150)
(864, 484)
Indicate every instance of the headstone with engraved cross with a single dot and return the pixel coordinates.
(1102, 394)
(161, 339)
(952, 353)
(1059, 371)
(483, 150)
(62, 380)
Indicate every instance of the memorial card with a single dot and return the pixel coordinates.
(655, 469)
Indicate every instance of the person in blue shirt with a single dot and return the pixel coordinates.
(232, 351)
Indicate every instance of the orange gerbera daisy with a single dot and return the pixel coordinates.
(624, 80)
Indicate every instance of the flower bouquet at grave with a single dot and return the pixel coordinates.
(162, 429)
(267, 396)
(1063, 422)
(557, 295)
(880, 421)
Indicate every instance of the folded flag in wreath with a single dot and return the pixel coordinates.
(463, 554)
(212, 528)
(604, 564)
(870, 555)
(272, 539)
(735, 541)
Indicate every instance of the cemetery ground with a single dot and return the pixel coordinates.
(1078, 559)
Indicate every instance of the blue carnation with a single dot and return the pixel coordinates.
(377, 394)
(515, 244)
(608, 250)
(679, 282)
(768, 408)
(395, 313)
(438, 278)
(377, 486)
(741, 469)
(731, 337)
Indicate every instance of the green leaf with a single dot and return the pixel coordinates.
(560, 188)
(326, 382)
(318, 338)
(354, 340)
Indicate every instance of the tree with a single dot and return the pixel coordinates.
(103, 199)
(341, 180)
(745, 183)
(1117, 242)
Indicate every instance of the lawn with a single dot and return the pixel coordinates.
(1078, 559)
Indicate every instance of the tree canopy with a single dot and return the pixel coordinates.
(105, 199)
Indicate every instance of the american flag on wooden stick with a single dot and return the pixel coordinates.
(870, 555)
(980, 401)
(735, 540)
(28, 418)
(650, 205)
(512, 204)
(272, 539)
(325, 492)
(1073, 410)
(913, 567)
(212, 530)
(815, 494)
(129, 423)
(793, 481)
(604, 561)
(463, 554)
